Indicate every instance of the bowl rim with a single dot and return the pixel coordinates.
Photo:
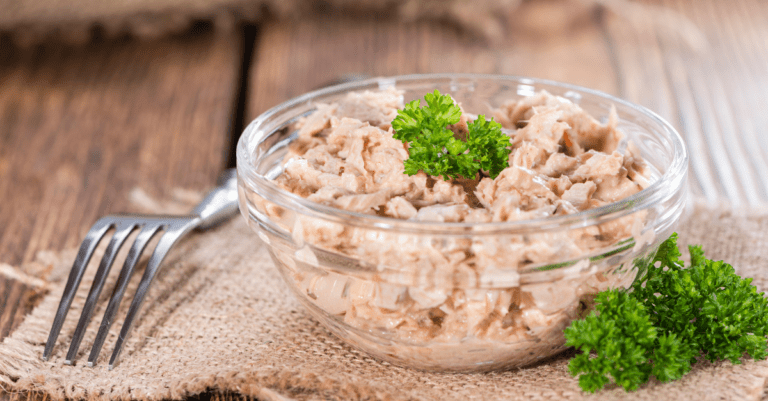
(668, 184)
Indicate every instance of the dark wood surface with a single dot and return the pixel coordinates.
(81, 127)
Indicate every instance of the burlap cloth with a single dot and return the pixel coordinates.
(30, 22)
(219, 317)
(77, 21)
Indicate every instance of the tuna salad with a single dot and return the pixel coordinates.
(434, 296)
(563, 161)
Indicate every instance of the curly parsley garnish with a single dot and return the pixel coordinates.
(628, 346)
(672, 315)
(433, 149)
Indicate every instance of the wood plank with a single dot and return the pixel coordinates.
(81, 127)
(295, 57)
(716, 92)
(738, 86)
(645, 78)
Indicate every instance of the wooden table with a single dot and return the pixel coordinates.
(82, 127)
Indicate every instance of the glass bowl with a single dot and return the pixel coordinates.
(458, 296)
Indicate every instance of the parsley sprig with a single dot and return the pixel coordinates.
(672, 315)
(629, 347)
(433, 148)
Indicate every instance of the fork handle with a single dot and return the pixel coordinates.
(220, 204)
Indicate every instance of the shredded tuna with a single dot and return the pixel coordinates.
(563, 161)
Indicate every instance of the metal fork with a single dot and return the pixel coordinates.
(217, 206)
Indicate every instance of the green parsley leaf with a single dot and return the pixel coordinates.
(625, 342)
(433, 149)
(672, 315)
(489, 145)
(441, 109)
(707, 305)
(407, 124)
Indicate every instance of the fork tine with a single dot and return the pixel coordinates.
(134, 254)
(163, 246)
(92, 239)
(122, 230)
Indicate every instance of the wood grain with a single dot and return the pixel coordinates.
(714, 95)
(295, 57)
(81, 127)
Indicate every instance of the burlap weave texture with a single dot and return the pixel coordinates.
(226, 321)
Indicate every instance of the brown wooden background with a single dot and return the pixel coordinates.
(81, 127)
